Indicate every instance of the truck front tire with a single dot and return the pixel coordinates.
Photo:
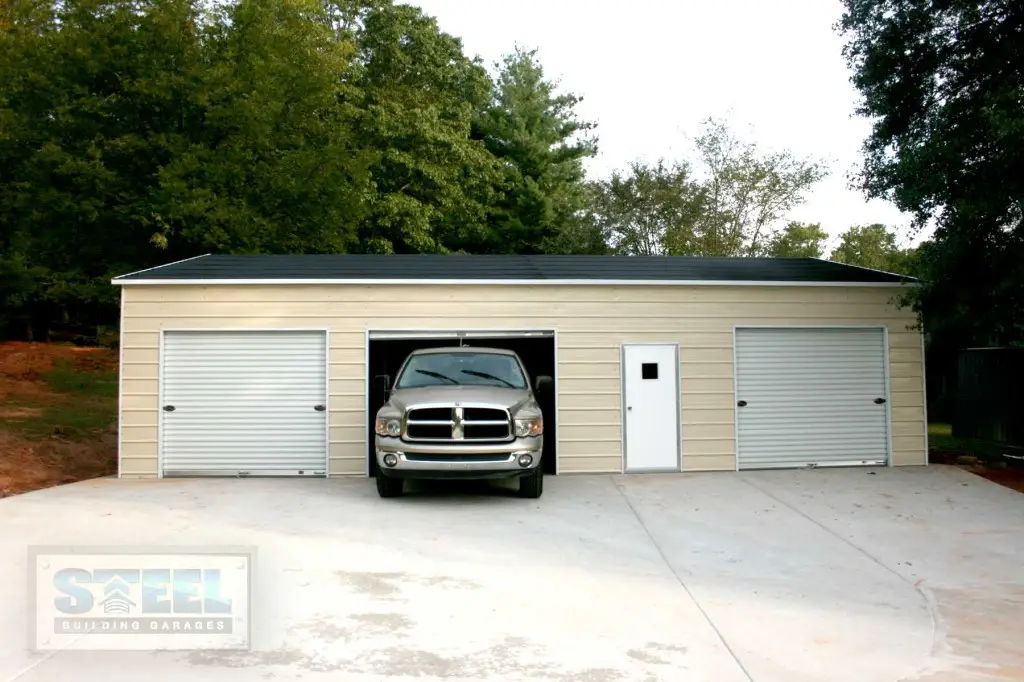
(531, 485)
(389, 487)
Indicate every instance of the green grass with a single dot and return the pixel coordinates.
(64, 378)
(940, 437)
(81, 404)
(71, 420)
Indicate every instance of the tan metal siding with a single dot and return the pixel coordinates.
(592, 322)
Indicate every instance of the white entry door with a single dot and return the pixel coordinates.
(244, 403)
(651, 381)
(811, 396)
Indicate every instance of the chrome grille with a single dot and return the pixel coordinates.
(457, 423)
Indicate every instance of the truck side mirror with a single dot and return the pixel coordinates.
(382, 384)
(544, 383)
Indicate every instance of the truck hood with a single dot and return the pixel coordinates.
(511, 398)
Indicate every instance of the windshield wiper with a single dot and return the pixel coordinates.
(485, 375)
(437, 375)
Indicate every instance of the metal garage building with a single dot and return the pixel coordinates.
(250, 365)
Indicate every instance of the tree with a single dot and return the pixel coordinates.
(95, 97)
(276, 166)
(648, 210)
(746, 192)
(136, 132)
(434, 178)
(798, 240)
(873, 246)
(141, 131)
(580, 234)
(733, 209)
(535, 133)
(941, 84)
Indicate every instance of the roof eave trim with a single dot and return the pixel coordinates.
(117, 280)
(861, 267)
(508, 282)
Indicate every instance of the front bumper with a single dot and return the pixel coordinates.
(442, 460)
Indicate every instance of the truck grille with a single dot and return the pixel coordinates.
(448, 457)
(458, 424)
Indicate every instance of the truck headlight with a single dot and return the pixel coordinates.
(388, 427)
(529, 427)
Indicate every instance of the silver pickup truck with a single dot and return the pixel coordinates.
(461, 412)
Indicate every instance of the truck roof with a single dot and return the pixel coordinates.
(462, 349)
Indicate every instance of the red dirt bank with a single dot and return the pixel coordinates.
(32, 460)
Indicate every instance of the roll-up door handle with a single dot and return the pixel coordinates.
(879, 401)
(742, 403)
(168, 408)
(320, 408)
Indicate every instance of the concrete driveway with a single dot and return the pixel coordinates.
(859, 575)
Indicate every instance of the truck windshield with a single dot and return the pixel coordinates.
(461, 369)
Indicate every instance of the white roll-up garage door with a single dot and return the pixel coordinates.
(811, 397)
(244, 403)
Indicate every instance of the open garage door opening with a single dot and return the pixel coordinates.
(388, 350)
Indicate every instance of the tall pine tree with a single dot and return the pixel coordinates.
(535, 133)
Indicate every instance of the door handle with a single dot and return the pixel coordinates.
(168, 408)
(320, 408)
(742, 403)
(879, 401)
(629, 407)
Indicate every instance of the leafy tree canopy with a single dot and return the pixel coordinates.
(534, 132)
(648, 210)
(748, 191)
(874, 246)
(433, 180)
(798, 240)
(943, 84)
(727, 201)
(137, 132)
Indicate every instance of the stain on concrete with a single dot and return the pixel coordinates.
(326, 629)
(245, 659)
(654, 653)
(503, 659)
(317, 663)
(645, 656)
(417, 662)
(388, 585)
(674, 648)
(508, 657)
(982, 633)
(274, 657)
(373, 584)
(444, 581)
(591, 675)
(388, 622)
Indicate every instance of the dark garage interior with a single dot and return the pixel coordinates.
(537, 353)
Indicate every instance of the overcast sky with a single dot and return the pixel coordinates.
(651, 70)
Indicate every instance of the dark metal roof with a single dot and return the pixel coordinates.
(507, 268)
